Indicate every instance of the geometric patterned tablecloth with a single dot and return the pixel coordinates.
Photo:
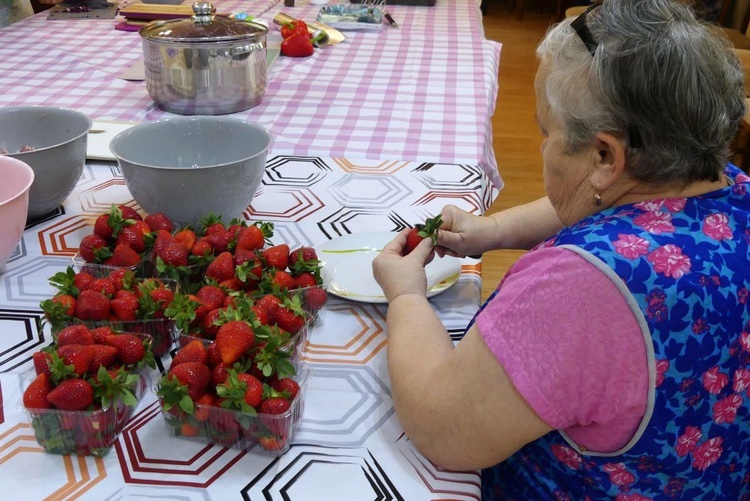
(350, 445)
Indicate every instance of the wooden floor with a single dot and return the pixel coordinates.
(515, 134)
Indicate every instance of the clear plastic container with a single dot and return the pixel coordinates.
(141, 270)
(232, 428)
(160, 329)
(82, 433)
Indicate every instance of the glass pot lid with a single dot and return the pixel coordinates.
(204, 26)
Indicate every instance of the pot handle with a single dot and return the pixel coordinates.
(245, 49)
(204, 13)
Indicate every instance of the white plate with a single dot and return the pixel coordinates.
(347, 267)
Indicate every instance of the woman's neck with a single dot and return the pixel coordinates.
(643, 193)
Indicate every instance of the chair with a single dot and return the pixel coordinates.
(738, 37)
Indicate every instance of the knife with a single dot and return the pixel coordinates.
(332, 35)
(388, 18)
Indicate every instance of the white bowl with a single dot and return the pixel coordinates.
(58, 136)
(188, 167)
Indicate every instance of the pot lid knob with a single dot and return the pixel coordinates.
(204, 12)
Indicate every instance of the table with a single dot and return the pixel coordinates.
(425, 92)
(350, 445)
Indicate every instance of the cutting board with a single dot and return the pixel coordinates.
(97, 144)
(159, 11)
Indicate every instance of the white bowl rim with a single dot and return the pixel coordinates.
(129, 131)
(56, 108)
(28, 185)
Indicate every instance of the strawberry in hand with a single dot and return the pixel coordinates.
(421, 231)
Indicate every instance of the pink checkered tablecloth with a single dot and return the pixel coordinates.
(424, 92)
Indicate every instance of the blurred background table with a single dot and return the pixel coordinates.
(424, 92)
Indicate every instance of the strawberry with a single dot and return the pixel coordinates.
(129, 213)
(206, 401)
(250, 238)
(75, 334)
(93, 249)
(421, 231)
(186, 237)
(262, 315)
(163, 239)
(159, 221)
(189, 430)
(221, 268)
(287, 385)
(230, 300)
(123, 280)
(233, 340)
(35, 396)
(68, 303)
(100, 334)
(77, 355)
(102, 227)
(92, 305)
(130, 349)
(315, 298)
(133, 238)
(125, 308)
(274, 406)
(303, 255)
(202, 248)
(277, 256)
(194, 375)
(269, 304)
(213, 224)
(211, 296)
(104, 355)
(72, 395)
(303, 260)
(212, 356)
(163, 297)
(104, 285)
(82, 280)
(289, 320)
(125, 256)
(41, 362)
(175, 254)
(283, 279)
(219, 241)
(254, 391)
(306, 279)
(220, 373)
(209, 327)
(194, 351)
(272, 443)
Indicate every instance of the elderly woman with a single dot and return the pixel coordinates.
(613, 361)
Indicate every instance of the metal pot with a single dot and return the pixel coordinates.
(205, 65)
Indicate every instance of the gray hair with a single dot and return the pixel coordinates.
(656, 69)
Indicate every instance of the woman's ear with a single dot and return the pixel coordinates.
(609, 161)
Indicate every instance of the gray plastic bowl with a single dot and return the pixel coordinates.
(58, 136)
(189, 167)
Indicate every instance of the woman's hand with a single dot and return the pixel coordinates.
(463, 234)
(399, 275)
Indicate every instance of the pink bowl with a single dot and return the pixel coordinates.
(14, 203)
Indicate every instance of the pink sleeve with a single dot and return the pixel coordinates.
(572, 347)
